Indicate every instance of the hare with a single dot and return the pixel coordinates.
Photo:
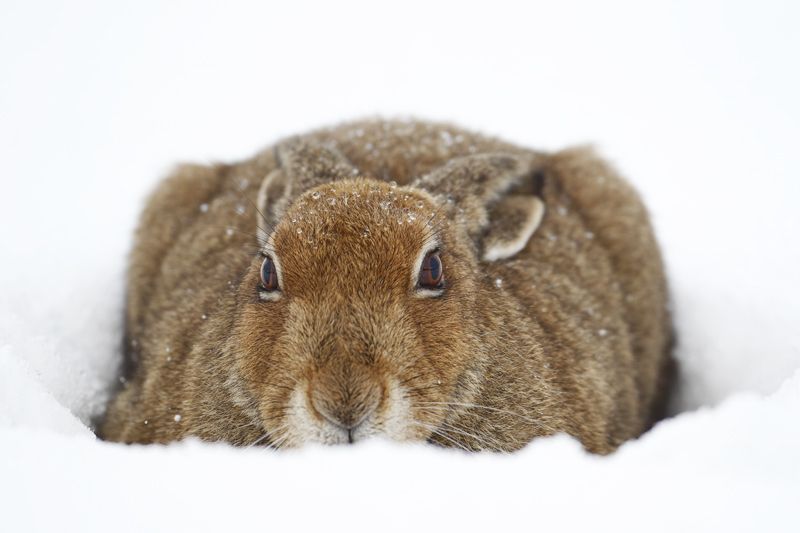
(396, 278)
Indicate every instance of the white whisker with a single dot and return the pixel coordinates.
(436, 431)
(488, 408)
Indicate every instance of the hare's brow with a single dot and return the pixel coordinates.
(432, 234)
(267, 249)
(434, 226)
(431, 242)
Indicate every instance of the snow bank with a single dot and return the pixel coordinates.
(691, 101)
(733, 476)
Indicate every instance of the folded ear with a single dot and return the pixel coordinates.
(512, 223)
(302, 165)
(498, 198)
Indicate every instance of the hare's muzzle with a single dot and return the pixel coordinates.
(346, 399)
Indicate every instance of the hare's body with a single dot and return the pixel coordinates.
(560, 328)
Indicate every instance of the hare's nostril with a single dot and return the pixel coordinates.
(347, 417)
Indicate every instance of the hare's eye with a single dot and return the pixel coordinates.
(269, 276)
(431, 273)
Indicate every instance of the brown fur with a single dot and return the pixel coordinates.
(571, 334)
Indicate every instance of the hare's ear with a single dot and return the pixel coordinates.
(308, 164)
(302, 165)
(512, 223)
(497, 196)
(273, 198)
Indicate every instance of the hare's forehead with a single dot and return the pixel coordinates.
(378, 231)
(399, 222)
(365, 196)
(361, 207)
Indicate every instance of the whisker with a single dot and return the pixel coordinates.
(487, 441)
(260, 439)
(412, 378)
(436, 431)
(415, 390)
(236, 230)
(489, 408)
(263, 218)
(483, 441)
(268, 434)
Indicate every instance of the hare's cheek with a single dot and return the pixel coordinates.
(396, 420)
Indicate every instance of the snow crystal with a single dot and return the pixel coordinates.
(204, 208)
(177, 418)
(447, 138)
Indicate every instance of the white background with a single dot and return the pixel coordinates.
(696, 102)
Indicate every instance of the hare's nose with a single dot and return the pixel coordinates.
(345, 405)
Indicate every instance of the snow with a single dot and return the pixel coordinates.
(695, 102)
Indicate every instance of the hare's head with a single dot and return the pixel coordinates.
(362, 314)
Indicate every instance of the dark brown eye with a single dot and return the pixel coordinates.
(269, 276)
(431, 274)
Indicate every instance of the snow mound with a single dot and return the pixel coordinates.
(734, 477)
